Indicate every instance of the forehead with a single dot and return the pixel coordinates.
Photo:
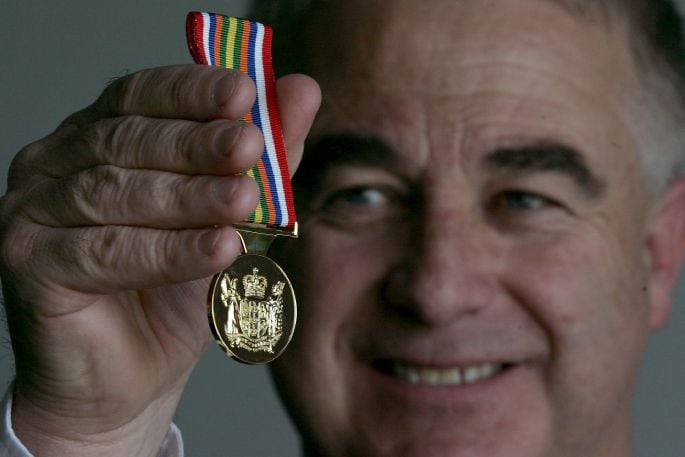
(490, 69)
(358, 34)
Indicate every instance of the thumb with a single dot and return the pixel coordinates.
(299, 98)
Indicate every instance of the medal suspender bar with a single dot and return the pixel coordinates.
(251, 305)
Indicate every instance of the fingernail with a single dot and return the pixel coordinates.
(224, 89)
(227, 140)
(208, 241)
(224, 189)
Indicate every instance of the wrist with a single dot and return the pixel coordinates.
(47, 434)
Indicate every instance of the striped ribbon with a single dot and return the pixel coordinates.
(245, 45)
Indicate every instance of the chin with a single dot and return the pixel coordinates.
(430, 445)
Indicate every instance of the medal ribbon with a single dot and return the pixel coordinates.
(245, 45)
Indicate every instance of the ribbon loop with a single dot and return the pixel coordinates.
(245, 45)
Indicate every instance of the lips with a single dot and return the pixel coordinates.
(443, 376)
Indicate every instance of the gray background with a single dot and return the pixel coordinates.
(56, 58)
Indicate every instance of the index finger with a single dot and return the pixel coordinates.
(192, 92)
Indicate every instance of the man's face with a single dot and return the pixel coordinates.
(472, 266)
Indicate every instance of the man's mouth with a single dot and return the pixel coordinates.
(452, 376)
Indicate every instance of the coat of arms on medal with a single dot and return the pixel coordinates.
(252, 309)
(253, 321)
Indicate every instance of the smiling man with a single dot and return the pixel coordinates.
(477, 184)
(492, 222)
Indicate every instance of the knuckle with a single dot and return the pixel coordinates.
(81, 252)
(50, 156)
(191, 90)
(187, 88)
(18, 235)
(104, 253)
(173, 191)
(94, 252)
(166, 84)
(6, 202)
(115, 249)
(8, 209)
(23, 163)
(83, 139)
(17, 242)
(84, 116)
(191, 143)
(130, 90)
(172, 139)
(165, 252)
(184, 91)
(92, 189)
(178, 89)
(117, 97)
(117, 141)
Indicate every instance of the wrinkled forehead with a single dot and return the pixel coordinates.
(420, 73)
(424, 40)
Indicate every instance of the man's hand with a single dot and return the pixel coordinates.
(110, 231)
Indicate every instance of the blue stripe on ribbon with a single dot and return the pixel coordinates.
(212, 30)
(268, 166)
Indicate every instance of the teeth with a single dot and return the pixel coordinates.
(488, 370)
(449, 376)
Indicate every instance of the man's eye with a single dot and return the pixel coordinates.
(359, 196)
(519, 210)
(362, 204)
(521, 201)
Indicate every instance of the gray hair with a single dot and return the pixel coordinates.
(655, 110)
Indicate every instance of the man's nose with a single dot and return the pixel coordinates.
(447, 272)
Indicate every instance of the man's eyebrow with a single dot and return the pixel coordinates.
(342, 149)
(548, 157)
(348, 149)
(335, 150)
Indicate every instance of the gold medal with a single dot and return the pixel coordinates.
(252, 306)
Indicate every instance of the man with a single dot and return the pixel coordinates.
(492, 215)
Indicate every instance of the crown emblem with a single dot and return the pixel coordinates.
(254, 285)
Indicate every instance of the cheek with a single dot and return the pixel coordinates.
(583, 288)
(336, 277)
(333, 271)
(585, 292)
(337, 273)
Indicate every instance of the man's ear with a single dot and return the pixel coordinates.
(666, 250)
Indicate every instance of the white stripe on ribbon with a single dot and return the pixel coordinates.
(206, 23)
(266, 124)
